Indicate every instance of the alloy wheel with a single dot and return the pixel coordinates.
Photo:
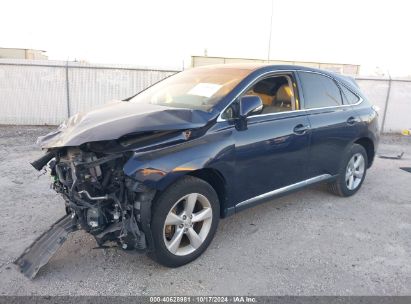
(187, 224)
(355, 171)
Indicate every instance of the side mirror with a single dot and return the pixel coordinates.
(250, 104)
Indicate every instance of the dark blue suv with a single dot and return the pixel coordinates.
(155, 172)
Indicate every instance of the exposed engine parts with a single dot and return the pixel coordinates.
(100, 196)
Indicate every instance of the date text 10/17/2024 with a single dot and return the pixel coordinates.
(203, 299)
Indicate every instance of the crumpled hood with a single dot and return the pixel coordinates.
(119, 118)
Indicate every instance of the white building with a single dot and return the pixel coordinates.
(16, 53)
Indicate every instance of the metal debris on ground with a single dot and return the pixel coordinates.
(399, 156)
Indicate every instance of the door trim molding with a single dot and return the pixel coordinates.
(283, 190)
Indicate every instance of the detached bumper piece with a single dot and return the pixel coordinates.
(44, 247)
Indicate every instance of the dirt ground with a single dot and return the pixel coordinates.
(307, 243)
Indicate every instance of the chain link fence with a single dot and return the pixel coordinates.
(44, 92)
(37, 92)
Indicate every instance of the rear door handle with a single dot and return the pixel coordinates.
(352, 120)
(301, 129)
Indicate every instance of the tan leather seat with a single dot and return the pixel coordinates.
(282, 100)
(284, 96)
(266, 99)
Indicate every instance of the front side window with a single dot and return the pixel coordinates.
(319, 91)
(199, 88)
(276, 94)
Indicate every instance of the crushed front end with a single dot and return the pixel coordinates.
(99, 198)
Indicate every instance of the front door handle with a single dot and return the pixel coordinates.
(352, 120)
(301, 129)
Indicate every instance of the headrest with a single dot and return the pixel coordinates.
(284, 93)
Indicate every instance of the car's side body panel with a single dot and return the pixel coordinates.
(157, 169)
(267, 158)
(330, 135)
(269, 155)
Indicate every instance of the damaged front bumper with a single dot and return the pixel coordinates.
(43, 248)
(99, 198)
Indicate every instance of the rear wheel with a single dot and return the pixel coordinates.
(352, 172)
(185, 218)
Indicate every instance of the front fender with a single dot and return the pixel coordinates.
(158, 169)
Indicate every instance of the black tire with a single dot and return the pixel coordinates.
(339, 186)
(164, 202)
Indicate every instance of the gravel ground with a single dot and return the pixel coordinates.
(308, 243)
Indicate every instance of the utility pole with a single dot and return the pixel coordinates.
(387, 99)
(271, 29)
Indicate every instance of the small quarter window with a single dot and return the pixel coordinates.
(349, 97)
(319, 91)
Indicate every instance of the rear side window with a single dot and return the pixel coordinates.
(349, 97)
(319, 91)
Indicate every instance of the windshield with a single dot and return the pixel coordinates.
(199, 88)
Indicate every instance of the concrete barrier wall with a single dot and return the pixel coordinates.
(37, 92)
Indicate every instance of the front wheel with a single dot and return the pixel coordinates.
(352, 172)
(184, 221)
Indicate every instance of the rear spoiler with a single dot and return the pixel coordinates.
(350, 80)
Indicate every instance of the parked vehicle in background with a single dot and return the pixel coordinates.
(156, 172)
